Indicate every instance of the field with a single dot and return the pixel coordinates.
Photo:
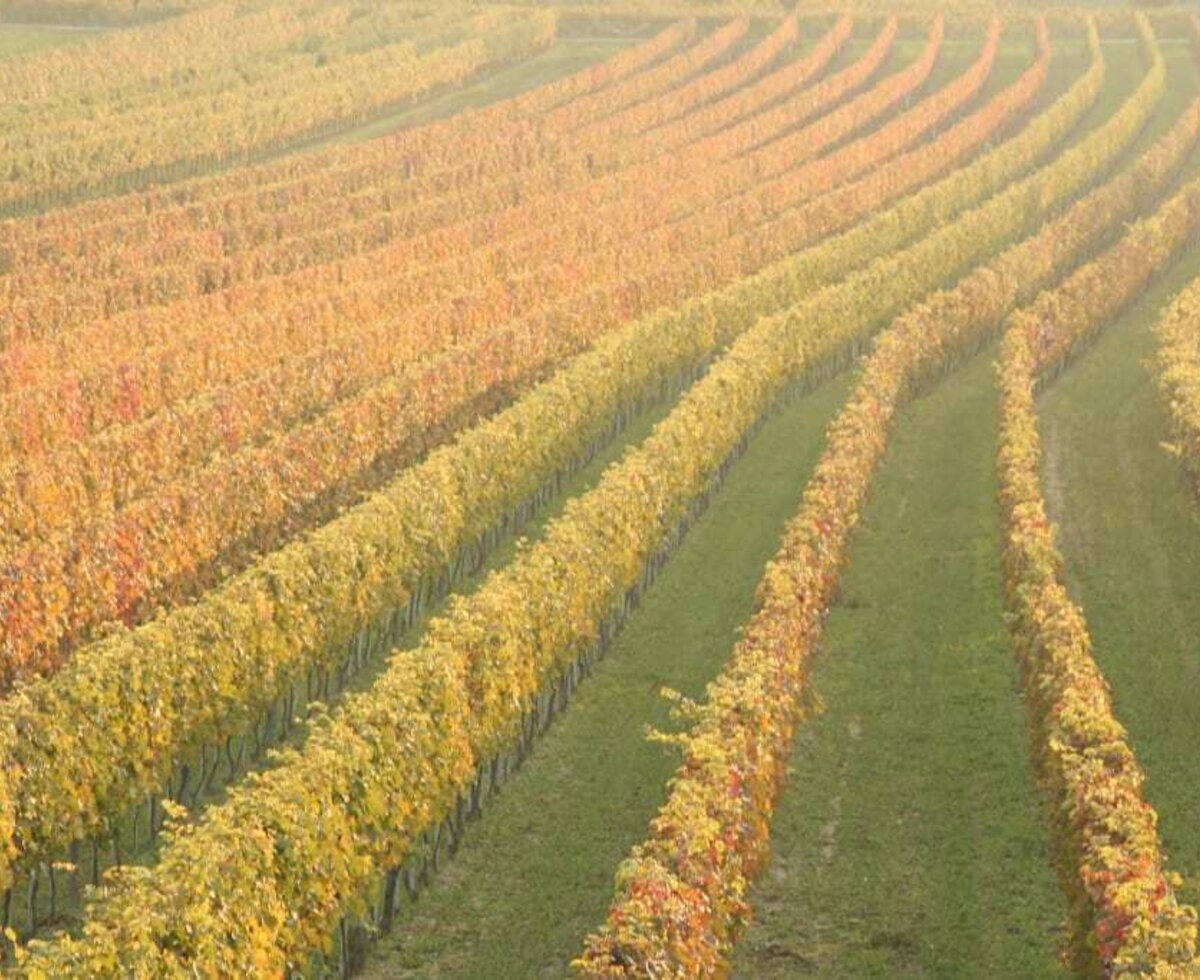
(632, 489)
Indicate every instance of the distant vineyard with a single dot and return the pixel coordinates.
(304, 541)
(228, 82)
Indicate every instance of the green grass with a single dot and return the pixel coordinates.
(535, 874)
(1131, 537)
(16, 39)
(910, 839)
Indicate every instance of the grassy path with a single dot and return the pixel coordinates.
(1131, 538)
(536, 872)
(910, 840)
(16, 39)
